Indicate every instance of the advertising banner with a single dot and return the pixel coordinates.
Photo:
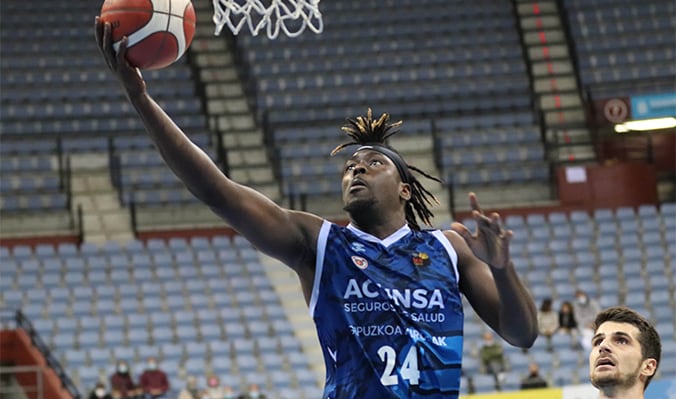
(653, 106)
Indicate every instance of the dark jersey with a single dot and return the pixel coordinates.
(388, 314)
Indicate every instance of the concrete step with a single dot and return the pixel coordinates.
(555, 84)
(564, 116)
(213, 60)
(253, 175)
(246, 138)
(558, 101)
(227, 106)
(566, 136)
(248, 156)
(558, 67)
(573, 153)
(210, 45)
(530, 7)
(209, 75)
(224, 90)
(549, 52)
(540, 22)
(549, 37)
(234, 122)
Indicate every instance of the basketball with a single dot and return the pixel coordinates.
(159, 31)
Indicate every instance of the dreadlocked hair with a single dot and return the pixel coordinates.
(366, 130)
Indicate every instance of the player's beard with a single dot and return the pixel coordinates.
(360, 209)
(616, 380)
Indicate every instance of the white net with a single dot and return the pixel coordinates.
(288, 16)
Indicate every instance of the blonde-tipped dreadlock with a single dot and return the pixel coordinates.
(367, 131)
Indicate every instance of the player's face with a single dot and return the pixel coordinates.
(370, 176)
(615, 359)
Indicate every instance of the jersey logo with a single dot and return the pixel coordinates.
(357, 247)
(421, 259)
(333, 354)
(360, 262)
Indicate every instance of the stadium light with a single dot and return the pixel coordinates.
(646, 125)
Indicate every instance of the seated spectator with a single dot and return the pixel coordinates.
(585, 309)
(122, 384)
(190, 391)
(100, 392)
(216, 391)
(153, 381)
(253, 392)
(568, 323)
(533, 379)
(548, 321)
(492, 357)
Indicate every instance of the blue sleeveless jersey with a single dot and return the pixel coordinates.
(388, 314)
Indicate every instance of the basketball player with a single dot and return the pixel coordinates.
(625, 354)
(384, 294)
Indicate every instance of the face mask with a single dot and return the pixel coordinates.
(582, 300)
(99, 392)
(152, 366)
(122, 368)
(254, 395)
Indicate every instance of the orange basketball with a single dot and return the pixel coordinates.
(159, 31)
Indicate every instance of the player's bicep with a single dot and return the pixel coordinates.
(284, 234)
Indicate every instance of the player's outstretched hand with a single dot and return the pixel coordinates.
(130, 77)
(490, 243)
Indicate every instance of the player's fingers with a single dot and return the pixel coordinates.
(106, 46)
(482, 221)
(122, 51)
(98, 31)
(474, 202)
(496, 221)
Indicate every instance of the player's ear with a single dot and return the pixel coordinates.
(649, 367)
(405, 191)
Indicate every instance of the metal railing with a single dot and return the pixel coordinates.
(34, 391)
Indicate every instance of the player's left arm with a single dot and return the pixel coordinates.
(489, 280)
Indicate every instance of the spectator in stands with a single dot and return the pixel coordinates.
(100, 392)
(191, 390)
(154, 381)
(548, 321)
(568, 323)
(625, 354)
(492, 357)
(215, 390)
(253, 392)
(585, 309)
(122, 384)
(349, 273)
(533, 379)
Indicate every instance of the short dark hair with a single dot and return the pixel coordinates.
(648, 338)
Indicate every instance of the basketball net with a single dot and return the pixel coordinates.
(288, 16)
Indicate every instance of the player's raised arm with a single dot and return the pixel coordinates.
(284, 234)
(489, 280)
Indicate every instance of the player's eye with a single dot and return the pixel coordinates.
(349, 167)
(622, 341)
(376, 162)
